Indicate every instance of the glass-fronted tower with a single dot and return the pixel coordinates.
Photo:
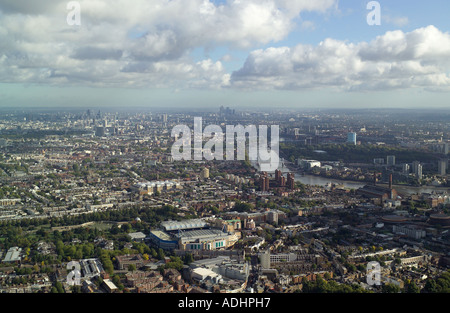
(351, 138)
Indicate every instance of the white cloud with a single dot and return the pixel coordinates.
(135, 42)
(395, 60)
(143, 43)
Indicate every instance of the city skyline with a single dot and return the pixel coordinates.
(246, 54)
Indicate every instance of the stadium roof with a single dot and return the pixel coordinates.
(182, 225)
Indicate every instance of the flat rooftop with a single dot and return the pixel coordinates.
(161, 235)
(13, 254)
(201, 234)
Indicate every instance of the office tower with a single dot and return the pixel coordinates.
(390, 160)
(446, 148)
(442, 167)
(100, 131)
(351, 138)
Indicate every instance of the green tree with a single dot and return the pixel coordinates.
(188, 258)
(411, 287)
(390, 288)
(59, 287)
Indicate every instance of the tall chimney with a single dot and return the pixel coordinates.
(390, 181)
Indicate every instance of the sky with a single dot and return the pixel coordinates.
(237, 53)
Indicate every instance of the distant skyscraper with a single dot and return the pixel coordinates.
(419, 171)
(351, 138)
(446, 148)
(100, 131)
(442, 167)
(390, 160)
(406, 168)
(415, 166)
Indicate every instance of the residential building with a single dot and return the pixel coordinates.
(442, 167)
(124, 261)
(390, 160)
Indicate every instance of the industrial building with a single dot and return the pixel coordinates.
(379, 193)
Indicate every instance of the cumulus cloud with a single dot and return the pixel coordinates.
(150, 43)
(395, 60)
(133, 43)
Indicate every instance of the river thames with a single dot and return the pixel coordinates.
(405, 190)
(314, 180)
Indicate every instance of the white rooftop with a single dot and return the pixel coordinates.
(186, 224)
(13, 255)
